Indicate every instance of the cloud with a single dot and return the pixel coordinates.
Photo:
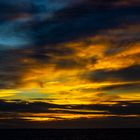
(83, 20)
(35, 42)
(69, 52)
(130, 73)
(129, 86)
(22, 114)
(23, 106)
(119, 107)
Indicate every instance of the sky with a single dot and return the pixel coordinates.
(69, 63)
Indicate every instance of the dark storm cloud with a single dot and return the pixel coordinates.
(74, 63)
(14, 113)
(68, 64)
(48, 53)
(19, 106)
(10, 69)
(122, 39)
(120, 108)
(117, 87)
(16, 19)
(130, 86)
(23, 106)
(131, 73)
(76, 22)
(82, 20)
(70, 21)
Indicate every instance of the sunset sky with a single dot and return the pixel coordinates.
(69, 63)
